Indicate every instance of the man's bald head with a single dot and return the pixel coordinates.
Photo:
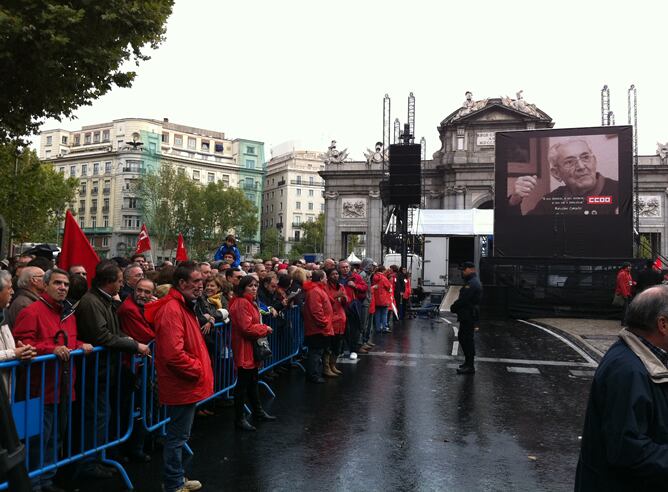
(648, 309)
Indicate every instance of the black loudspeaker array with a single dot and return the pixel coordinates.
(405, 175)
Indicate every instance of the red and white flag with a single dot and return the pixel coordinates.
(181, 253)
(76, 249)
(143, 241)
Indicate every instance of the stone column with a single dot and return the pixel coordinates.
(332, 235)
(459, 197)
(374, 226)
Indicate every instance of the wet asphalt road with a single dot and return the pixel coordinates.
(401, 419)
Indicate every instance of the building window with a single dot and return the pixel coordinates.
(84, 169)
(131, 221)
(299, 179)
(298, 205)
(105, 221)
(105, 205)
(210, 177)
(93, 206)
(192, 143)
(250, 150)
(93, 221)
(82, 222)
(133, 166)
(280, 205)
(94, 191)
(271, 207)
(87, 138)
(178, 140)
(165, 137)
(82, 206)
(73, 171)
(310, 180)
(49, 140)
(77, 139)
(130, 202)
(298, 219)
(105, 135)
(47, 153)
(299, 192)
(226, 180)
(82, 188)
(105, 241)
(96, 168)
(205, 146)
(250, 163)
(62, 170)
(219, 147)
(310, 192)
(96, 137)
(310, 205)
(107, 167)
(63, 140)
(281, 191)
(460, 143)
(195, 175)
(296, 235)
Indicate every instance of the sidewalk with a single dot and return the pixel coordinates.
(595, 336)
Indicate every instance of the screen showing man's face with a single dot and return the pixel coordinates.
(576, 167)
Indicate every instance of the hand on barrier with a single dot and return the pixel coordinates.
(269, 330)
(87, 348)
(24, 352)
(206, 328)
(143, 349)
(273, 311)
(62, 352)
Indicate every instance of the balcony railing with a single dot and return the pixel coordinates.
(297, 225)
(307, 183)
(281, 182)
(93, 210)
(249, 186)
(106, 191)
(105, 209)
(97, 230)
(82, 192)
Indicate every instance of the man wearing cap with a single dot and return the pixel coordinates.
(467, 309)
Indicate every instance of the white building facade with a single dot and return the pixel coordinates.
(293, 193)
(109, 158)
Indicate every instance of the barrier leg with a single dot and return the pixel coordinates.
(187, 449)
(119, 467)
(265, 385)
(298, 364)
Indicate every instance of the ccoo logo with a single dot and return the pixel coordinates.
(599, 200)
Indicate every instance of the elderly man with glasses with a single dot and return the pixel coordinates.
(30, 286)
(584, 191)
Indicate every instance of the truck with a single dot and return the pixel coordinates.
(413, 264)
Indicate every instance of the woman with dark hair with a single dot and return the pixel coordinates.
(247, 327)
(339, 300)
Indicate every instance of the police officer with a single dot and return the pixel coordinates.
(467, 309)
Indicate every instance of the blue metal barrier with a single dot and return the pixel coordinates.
(68, 411)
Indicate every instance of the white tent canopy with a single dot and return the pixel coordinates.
(352, 259)
(471, 222)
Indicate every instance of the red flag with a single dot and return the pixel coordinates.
(76, 249)
(658, 264)
(181, 253)
(143, 241)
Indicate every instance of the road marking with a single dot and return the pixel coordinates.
(456, 330)
(582, 374)
(485, 359)
(347, 360)
(446, 320)
(404, 363)
(523, 370)
(582, 353)
(455, 348)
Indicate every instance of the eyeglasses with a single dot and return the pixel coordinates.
(570, 162)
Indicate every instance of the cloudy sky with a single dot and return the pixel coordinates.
(315, 71)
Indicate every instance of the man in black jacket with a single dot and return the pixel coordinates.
(625, 436)
(98, 324)
(467, 309)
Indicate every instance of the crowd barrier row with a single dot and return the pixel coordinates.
(67, 412)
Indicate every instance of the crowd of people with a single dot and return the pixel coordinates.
(130, 303)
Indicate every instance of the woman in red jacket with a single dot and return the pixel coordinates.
(382, 298)
(318, 330)
(247, 327)
(338, 298)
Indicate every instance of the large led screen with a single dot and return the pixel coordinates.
(565, 192)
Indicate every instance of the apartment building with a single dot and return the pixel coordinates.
(109, 158)
(293, 192)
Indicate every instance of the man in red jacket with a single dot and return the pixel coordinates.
(317, 314)
(624, 286)
(183, 366)
(48, 327)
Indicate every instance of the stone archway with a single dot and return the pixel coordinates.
(485, 202)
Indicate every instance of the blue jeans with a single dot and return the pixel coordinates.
(178, 433)
(50, 438)
(380, 318)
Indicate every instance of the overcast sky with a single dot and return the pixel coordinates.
(315, 71)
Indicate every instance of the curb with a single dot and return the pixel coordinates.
(591, 351)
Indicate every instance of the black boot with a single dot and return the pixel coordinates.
(262, 416)
(244, 425)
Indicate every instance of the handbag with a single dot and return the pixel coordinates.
(261, 350)
(617, 300)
